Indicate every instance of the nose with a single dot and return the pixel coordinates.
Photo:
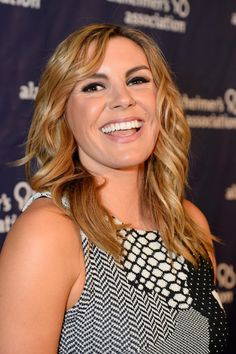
(121, 98)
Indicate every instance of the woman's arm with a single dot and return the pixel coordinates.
(38, 267)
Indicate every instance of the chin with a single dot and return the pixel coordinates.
(129, 164)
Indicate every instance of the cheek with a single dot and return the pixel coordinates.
(153, 105)
(148, 101)
(155, 130)
(77, 117)
(85, 113)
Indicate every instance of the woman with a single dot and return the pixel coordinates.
(80, 270)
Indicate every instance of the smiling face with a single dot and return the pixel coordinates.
(112, 114)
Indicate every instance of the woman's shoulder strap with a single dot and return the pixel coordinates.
(36, 196)
(45, 194)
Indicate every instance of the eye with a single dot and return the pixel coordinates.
(93, 87)
(138, 80)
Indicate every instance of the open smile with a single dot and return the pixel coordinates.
(122, 128)
(125, 131)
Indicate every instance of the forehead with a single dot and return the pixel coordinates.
(121, 51)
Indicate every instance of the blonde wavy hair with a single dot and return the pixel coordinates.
(52, 161)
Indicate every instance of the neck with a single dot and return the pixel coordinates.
(121, 196)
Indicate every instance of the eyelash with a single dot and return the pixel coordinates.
(138, 80)
(92, 87)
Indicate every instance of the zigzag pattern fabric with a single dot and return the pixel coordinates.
(113, 316)
(150, 304)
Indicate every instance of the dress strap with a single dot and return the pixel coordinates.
(45, 194)
(36, 196)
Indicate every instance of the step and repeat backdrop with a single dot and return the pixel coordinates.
(198, 39)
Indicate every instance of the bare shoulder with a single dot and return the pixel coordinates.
(39, 264)
(43, 221)
(196, 215)
(44, 234)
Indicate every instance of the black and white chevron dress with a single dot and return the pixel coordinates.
(147, 305)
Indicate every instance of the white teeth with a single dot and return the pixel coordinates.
(121, 126)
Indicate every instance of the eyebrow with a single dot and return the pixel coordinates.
(129, 72)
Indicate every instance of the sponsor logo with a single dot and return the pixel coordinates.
(181, 8)
(28, 91)
(21, 193)
(230, 193)
(7, 222)
(233, 19)
(226, 278)
(230, 101)
(5, 203)
(216, 113)
(33, 4)
(168, 15)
